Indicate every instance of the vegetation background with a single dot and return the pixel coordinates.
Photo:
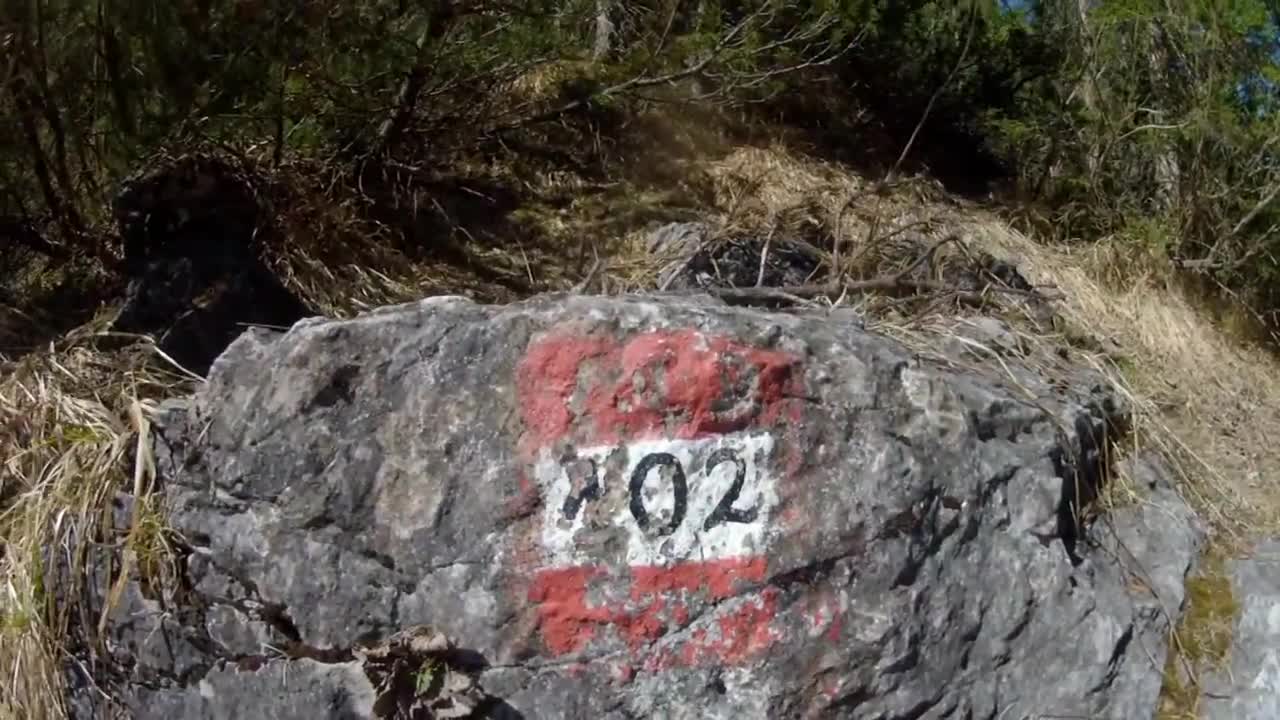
(1151, 121)
(502, 147)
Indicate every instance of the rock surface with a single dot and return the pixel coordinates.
(630, 508)
(1251, 691)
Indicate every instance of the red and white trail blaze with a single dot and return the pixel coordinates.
(661, 460)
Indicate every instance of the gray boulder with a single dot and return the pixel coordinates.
(639, 508)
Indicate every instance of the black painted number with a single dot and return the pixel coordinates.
(585, 486)
(725, 512)
(680, 489)
(590, 488)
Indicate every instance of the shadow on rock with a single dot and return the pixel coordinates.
(196, 280)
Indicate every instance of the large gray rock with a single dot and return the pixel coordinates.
(300, 689)
(633, 508)
(1251, 691)
(1155, 544)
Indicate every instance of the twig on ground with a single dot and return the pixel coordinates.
(928, 255)
(887, 284)
(764, 256)
(899, 282)
(581, 286)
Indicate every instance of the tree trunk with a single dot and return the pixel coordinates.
(68, 220)
(38, 66)
(1165, 167)
(1087, 88)
(604, 30)
(113, 59)
(392, 128)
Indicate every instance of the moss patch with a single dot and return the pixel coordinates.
(1201, 643)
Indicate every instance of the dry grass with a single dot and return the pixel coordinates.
(767, 190)
(327, 248)
(1199, 390)
(73, 434)
(1198, 387)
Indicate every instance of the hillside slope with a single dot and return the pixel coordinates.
(73, 416)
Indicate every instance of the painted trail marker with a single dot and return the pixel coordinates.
(670, 500)
(660, 463)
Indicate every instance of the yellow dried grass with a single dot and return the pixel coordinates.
(71, 420)
(1200, 390)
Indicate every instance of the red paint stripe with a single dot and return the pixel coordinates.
(675, 384)
(569, 623)
(683, 384)
(718, 578)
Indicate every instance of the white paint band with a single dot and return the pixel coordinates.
(744, 532)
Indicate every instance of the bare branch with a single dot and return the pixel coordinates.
(733, 39)
(439, 23)
(1253, 213)
(933, 99)
(896, 284)
(890, 284)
